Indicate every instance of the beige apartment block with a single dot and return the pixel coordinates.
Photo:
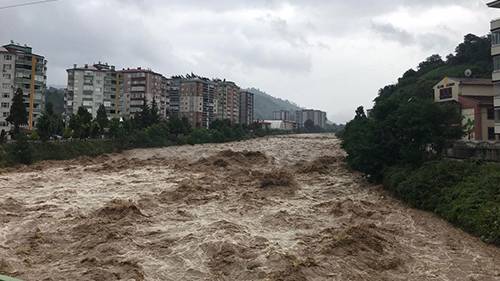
(197, 101)
(22, 69)
(227, 101)
(474, 97)
(141, 85)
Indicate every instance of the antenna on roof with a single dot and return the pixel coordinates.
(468, 73)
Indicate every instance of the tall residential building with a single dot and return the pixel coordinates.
(174, 97)
(197, 101)
(495, 52)
(227, 101)
(91, 86)
(246, 107)
(23, 69)
(143, 84)
(317, 116)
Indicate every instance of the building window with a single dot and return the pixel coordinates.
(7, 67)
(491, 113)
(6, 76)
(5, 105)
(8, 57)
(5, 114)
(6, 95)
(491, 133)
(495, 38)
(496, 63)
(445, 93)
(5, 85)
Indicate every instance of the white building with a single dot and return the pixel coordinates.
(92, 85)
(495, 52)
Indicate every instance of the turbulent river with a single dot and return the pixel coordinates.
(276, 208)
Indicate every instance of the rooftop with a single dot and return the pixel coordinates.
(473, 81)
(494, 4)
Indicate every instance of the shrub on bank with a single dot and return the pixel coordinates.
(467, 194)
(125, 136)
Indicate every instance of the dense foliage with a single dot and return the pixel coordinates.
(405, 126)
(85, 136)
(401, 140)
(18, 116)
(465, 193)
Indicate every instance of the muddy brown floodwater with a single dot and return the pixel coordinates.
(276, 208)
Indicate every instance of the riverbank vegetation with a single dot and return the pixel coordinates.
(400, 143)
(83, 135)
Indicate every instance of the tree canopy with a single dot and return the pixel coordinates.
(18, 116)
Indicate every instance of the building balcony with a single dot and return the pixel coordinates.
(495, 50)
(496, 76)
(495, 24)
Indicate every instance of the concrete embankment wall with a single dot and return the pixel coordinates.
(488, 151)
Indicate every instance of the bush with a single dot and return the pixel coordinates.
(466, 194)
(21, 151)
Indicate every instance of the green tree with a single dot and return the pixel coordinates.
(22, 151)
(3, 136)
(49, 124)
(102, 118)
(143, 118)
(18, 116)
(401, 130)
(430, 63)
(154, 114)
(81, 123)
(309, 126)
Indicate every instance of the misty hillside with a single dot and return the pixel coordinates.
(266, 104)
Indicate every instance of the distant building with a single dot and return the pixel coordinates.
(282, 115)
(227, 101)
(284, 125)
(21, 68)
(91, 86)
(141, 85)
(197, 101)
(246, 107)
(495, 52)
(474, 97)
(317, 116)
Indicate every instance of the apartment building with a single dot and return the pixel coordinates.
(246, 107)
(227, 101)
(474, 97)
(197, 101)
(317, 116)
(91, 86)
(495, 52)
(173, 97)
(284, 115)
(23, 69)
(141, 85)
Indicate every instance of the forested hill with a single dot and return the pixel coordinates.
(266, 104)
(474, 54)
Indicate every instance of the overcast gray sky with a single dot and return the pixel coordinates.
(331, 55)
